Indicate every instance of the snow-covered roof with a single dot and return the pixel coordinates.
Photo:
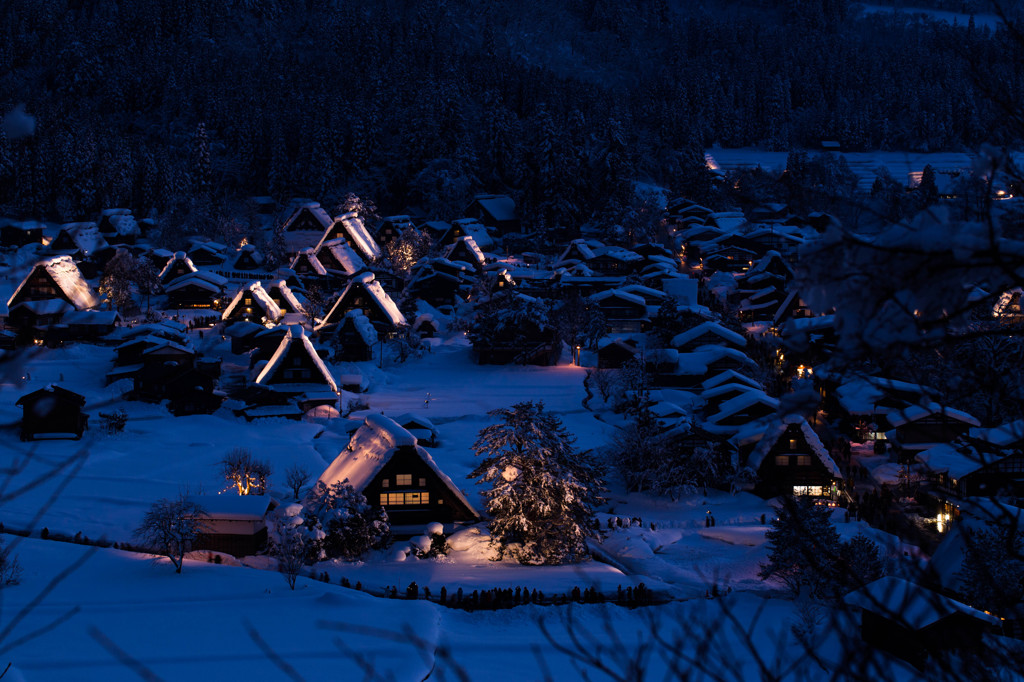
(500, 206)
(644, 292)
(910, 604)
(68, 279)
(178, 256)
(732, 337)
(1000, 436)
(742, 402)
(579, 245)
(478, 231)
(698, 361)
(287, 294)
(344, 254)
(315, 210)
(203, 279)
(728, 376)
(362, 325)
(233, 507)
(619, 294)
(310, 254)
(260, 297)
(125, 224)
(354, 227)
(376, 293)
(471, 245)
(87, 237)
(774, 431)
(371, 448)
(946, 458)
(915, 412)
(296, 334)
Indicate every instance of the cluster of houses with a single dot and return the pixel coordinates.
(740, 333)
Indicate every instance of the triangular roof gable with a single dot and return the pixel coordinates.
(371, 448)
(351, 227)
(295, 341)
(736, 339)
(260, 297)
(279, 290)
(314, 212)
(336, 254)
(375, 292)
(777, 429)
(66, 277)
(465, 249)
(308, 255)
(178, 258)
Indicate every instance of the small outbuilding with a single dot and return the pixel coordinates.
(52, 412)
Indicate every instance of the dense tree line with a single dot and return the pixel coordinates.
(181, 105)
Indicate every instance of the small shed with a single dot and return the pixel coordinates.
(233, 524)
(52, 412)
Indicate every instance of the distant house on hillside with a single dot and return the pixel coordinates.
(52, 412)
(385, 463)
(350, 227)
(15, 233)
(495, 210)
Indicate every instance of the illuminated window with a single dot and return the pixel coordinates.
(386, 483)
(792, 443)
(781, 460)
(423, 483)
(814, 490)
(383, 499)
(412, 498)
(403, 479)
(803, 461)
(396, 498)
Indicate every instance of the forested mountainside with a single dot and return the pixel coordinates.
(184, 105)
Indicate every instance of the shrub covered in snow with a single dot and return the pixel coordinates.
(342, 523)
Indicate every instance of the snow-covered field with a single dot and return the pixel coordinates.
(119, 612)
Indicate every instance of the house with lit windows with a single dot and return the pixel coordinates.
(790, 459)
(385, 463)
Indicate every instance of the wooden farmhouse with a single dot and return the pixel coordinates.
(625, 312)
(918, 427)
(200, 289)
(392, 227)
(790, 459)
(356, 338)
(252, 303)
(364, 293)
(708, 333)
(296, 372)
(615, 260)
(385, 463)
(913, 622)
(285, 298)
(350, 227)
(465, 250)
(495, 210)
(51, 289)
(177, 266)
(305, 227)
(247, 258)
(615, 353)
(52, 412)
(207, 254)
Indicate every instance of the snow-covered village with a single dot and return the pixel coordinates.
(527, 341)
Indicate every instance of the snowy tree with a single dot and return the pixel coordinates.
(116, 283)
(580, 323)
(543, 490)
(859, 562)
(802, 546)
(245, 473)
(402, 253)
(348, 525)
(288, 540)
(992, 574)
(171, 528)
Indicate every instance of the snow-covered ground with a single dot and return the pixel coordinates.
(131, 608)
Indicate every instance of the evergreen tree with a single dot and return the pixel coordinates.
(992, 574)
(542, 491)
(802, 548)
